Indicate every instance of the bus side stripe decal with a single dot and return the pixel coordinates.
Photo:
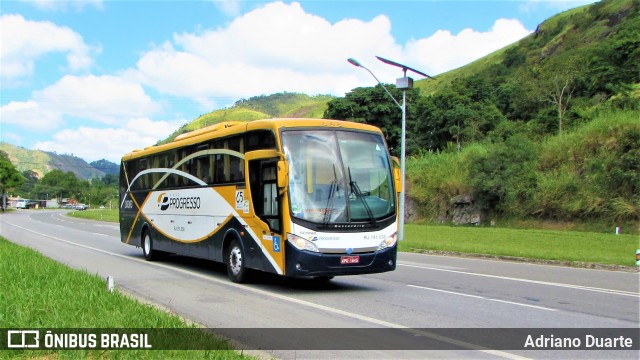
(133, 225)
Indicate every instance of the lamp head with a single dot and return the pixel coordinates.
(354, 62)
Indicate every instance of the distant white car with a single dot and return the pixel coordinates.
(81, 207)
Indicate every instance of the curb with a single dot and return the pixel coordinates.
(566, 263)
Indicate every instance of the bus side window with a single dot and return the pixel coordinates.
(201, 165)
(264, 192)
(219, 163)
(260, 139)
(203, 168)
(144, 181)
(186, 166)
(172, 181)
(219, 169)
(270, 207)
(236, 164)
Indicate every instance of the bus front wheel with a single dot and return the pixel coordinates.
(147, 247)
(234, 258)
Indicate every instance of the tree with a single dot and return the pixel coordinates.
(450, 116)
(560, 95)
(503, 178)
(10, 178)
(62, 184)
(372, 105)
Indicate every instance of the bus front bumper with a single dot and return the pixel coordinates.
(306, 263)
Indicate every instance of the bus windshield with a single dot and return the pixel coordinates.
(338, 176)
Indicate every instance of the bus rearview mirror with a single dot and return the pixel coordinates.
(398, 179)
(283, 174)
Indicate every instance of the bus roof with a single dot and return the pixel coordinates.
(228, 128)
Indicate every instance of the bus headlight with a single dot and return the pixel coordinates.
(388, 242)
(301, 243)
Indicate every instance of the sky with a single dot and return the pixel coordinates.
(98, 78)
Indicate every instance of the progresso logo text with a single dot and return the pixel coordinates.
(166, 201)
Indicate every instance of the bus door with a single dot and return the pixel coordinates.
(267, 206)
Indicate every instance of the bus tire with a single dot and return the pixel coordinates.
(147, 246)
(235, 261)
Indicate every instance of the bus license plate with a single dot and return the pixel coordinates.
(349, 260)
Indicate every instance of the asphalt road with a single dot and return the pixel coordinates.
(425, 294)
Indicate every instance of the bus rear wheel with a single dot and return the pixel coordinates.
(234, 258)
(147, 246)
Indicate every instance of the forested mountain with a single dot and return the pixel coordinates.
(42, 162)
(556, 79)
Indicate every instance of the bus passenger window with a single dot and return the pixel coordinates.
(219, 169)
(270, 206)
(203, 169)
(260, 139)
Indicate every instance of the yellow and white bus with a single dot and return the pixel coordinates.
(295, 197)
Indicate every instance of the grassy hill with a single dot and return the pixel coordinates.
(287, 105)
(42, 162)
(280, 105)
(580, 35)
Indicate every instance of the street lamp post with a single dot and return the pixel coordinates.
(404, 83)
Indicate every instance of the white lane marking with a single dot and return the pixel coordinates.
(482, 297)
(578, 287)
(60, 218)
(364, 318)
(107, 226)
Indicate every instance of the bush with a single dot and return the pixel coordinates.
(592, 172)
(503, 178)
(434, 178)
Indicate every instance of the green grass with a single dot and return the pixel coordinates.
(232, 114)
(110, 215)
(568, 246)
(38, 292)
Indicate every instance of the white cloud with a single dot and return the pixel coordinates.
(229, 7)
(110, 143)
(29, 115)
(277, 47)
(107, 99)
(280, 47)
(444, 51)
(24, 41)
(104, 99)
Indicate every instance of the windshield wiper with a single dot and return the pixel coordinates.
(356, 190)
(332, 192)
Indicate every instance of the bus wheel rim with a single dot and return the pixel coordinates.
(235, 260)
(147, 244)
